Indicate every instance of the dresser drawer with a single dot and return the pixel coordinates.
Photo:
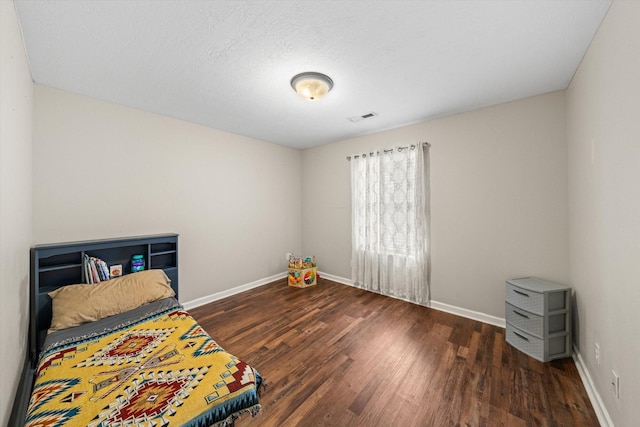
(530, 301)
(528, 322)
(544, 350)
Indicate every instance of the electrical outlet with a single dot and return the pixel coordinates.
(287, 256)
(597, 354)
(615, 384)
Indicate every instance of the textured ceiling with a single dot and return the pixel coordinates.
(228, 64)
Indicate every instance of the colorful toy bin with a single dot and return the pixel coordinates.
(302, 272)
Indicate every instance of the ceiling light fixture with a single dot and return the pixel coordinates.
(311, 85)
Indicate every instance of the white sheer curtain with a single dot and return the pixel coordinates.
(390, 208)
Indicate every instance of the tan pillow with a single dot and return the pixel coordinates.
(76, 304)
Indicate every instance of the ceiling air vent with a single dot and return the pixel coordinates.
(364, 116)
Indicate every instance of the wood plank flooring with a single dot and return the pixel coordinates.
(334, 355)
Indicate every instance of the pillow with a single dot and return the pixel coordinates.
(76, 304)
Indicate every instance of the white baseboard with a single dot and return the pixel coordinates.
(333, 278)
(469, 314)
(227, 293)
(458, 311)
(594, 396)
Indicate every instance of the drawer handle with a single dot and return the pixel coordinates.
(521, 293)
(520, 314)
(521, 336)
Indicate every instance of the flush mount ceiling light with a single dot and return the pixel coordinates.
(311, 85)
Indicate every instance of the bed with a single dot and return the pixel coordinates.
(124, 352)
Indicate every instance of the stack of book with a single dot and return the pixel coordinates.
(95, 270)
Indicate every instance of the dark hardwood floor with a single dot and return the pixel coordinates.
(335, 355)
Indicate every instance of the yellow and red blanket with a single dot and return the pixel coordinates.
(161, 370)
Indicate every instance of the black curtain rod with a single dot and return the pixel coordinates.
(412, 146)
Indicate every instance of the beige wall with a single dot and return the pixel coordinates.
(603, 133)
(498, 199)
(103, 170)
(16, 111)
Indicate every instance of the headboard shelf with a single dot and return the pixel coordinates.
(61, 264)
(59, 267)
(162, 253)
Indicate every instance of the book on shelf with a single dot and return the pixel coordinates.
(103, 269)
(87, 270)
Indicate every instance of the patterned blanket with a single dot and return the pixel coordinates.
(161, 370)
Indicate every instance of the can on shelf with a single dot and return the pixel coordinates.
(137, 263)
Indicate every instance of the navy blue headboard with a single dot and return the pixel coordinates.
(61, 264)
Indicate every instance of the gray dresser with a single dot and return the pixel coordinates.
(538, 315)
